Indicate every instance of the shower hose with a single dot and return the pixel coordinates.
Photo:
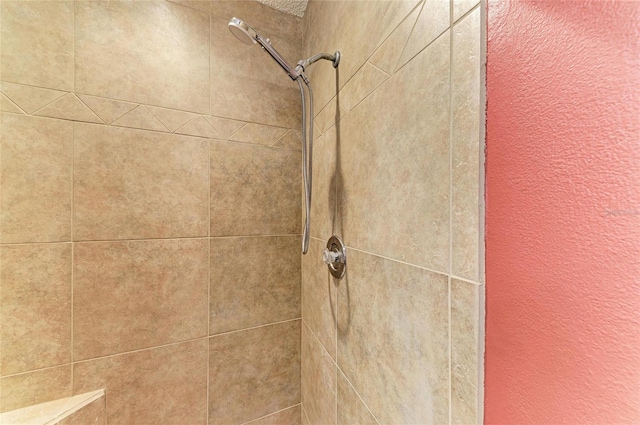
(307, 158)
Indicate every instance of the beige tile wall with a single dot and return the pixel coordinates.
(149, 211)
(397, 170)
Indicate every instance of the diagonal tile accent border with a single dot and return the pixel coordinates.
(389, 52)
(259, 133)
(29, 98)
(330, 114)
(140, 118)
(171, 118)
(69, 107)
(108, 110)
(433, 21)
(366, 80)
(199, 127)
(291, 140)
(226, 127)
(7, 105)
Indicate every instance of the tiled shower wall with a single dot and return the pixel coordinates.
(149, 211)
(397, 171)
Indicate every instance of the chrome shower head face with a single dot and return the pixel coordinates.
(242, 31)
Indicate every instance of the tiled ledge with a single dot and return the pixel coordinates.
(54, 412)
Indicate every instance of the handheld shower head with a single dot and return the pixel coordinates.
(248, 35)
(242, 31)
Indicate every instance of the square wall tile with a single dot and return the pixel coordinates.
(393, 190)
(466, 149)
(36, 161)
(465, 341)
(319, 291)
(133, 184)
(393, 339)
(37, 43)
(94, 413)
(35, 307)
(138, 294)
(153, 52)
(254, 281)
(318, 381)
(255, 190)
(27, 389)
(325, 173)
(253, 372)
(166, 385)
(351, 410)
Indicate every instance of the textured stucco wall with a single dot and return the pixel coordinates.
(295, 7)
(563, 213)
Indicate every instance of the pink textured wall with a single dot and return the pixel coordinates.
(563, 213)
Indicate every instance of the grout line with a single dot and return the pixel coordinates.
(397, 261)
(304, 411)
(254, 144)
(183, 125)
(283, 235)
(34, 243)
(157, 119)
(467, 13)
(466, 280)
(89, 107)
(37, 370)
(238, 131)
(271, 414)
(395, 67)
(253, 327)
(449, 287)
(14, 104)
(138, 350)
(358, 394)
(210, 20)
(209, 287)
(423, 49)
(75, 61)
(379, 69)
(451, 141)
(73, 154)
(187, 6)
(306, 325)
(273, 145)
(35, 113)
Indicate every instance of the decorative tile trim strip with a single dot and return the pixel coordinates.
(38, 101)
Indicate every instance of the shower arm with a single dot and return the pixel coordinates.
(294, 74)
(303, 64)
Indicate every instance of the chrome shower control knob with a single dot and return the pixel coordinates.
(335, 257)
(330, 257)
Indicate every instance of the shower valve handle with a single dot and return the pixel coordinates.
(331, 257)
(335, 257)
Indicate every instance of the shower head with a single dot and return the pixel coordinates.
(248, 35)
(242, 31)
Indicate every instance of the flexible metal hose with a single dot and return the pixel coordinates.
(307, 159)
